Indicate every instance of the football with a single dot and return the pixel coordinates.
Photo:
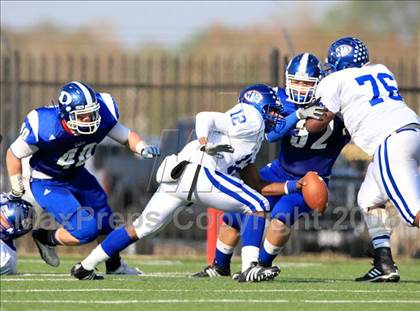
(314, 126)
(315, 192)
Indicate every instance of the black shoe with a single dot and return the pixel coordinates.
(258, 273)
(47, 252)
(212, 271)
(236, 275)
(384, 268)
(82, 274)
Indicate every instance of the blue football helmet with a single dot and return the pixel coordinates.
(16, 217)
(265, 99)
(303, 74)
(79, 108)
(345, 53)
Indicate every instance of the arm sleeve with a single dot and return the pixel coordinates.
(111, 105)
(119, 133)
(329, 90)
(21, 149)
(206, 121)
(282, 128)
(29, 131)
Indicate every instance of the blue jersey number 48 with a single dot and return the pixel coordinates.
(381, 77)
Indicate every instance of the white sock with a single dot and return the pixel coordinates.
(272, 249)
(97, 256)
(224, 248)
(249, 255)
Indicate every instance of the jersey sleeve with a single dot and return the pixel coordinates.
(119, 133)
(328, 89)
(208, 121)
(111, 105)
(244, 121)
(282, 128)
(29, 131)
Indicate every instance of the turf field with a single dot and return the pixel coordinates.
(312, 284)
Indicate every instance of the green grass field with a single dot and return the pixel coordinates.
(304, 283)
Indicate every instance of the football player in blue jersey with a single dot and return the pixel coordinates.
(59, 139)
(16, 219)
(300, 152)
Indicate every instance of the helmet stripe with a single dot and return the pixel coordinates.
(86, 93)
(303, 64)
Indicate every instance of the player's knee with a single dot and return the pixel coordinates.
(233, 220)
(85, 229)
(285, 217)
(86, 234)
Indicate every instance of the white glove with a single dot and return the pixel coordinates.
(144, 151)
(313, 112)
(213, 149)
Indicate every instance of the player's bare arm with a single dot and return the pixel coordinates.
(18, 150)
(252, 178)
(134, 141)
(14, 169)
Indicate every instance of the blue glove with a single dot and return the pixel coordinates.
(150, 152)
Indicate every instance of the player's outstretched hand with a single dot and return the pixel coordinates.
(213, 149)
(313, 112)
(150, 152)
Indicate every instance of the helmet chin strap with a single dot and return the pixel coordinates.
(66, 128)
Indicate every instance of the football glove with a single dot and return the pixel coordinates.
(213, 149)
(149, 152)
(313, 112)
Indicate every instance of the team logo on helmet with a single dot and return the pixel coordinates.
(253, 96)
(65, 98)
(343, 50)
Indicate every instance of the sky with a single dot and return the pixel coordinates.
(136, 22)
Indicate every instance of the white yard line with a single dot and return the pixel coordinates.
(285, 290)
(147, 301)
(137, 262)
(362, 301)
(157, 301)
(33, 280)
(65, 276)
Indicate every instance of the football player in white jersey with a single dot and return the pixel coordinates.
(366, 96)
(16, 219)
(203, 174)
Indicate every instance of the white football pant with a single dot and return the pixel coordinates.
(213, 189)
(394, 174)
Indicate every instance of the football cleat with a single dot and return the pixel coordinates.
(258, 273)
(125, 269)
(384, 268)
(211, 271)
(235, 275)
(47, 253)
(82, 274)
